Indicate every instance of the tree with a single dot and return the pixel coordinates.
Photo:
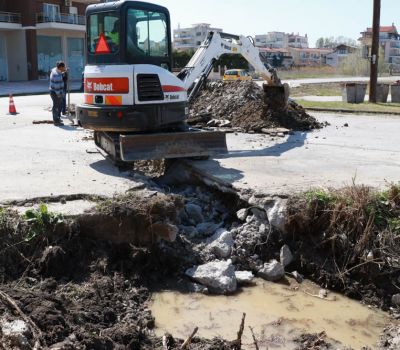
(232, 61)
(331, 42)
(356, 65)
(320, 43)
(181, 58)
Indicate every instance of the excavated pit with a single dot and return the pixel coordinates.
(87, 281)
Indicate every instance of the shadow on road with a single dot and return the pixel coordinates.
(293, 141)
(105, 166)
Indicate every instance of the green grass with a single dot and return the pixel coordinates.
(325, 197)
(326, 89)
(360, 107)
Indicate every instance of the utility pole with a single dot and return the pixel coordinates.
(375, 51)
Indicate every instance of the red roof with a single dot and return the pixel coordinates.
(385, 29)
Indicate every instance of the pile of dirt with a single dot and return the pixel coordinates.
(245, 106)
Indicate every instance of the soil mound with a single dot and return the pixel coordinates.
(245, 105)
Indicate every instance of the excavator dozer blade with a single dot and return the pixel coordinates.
(191, 143)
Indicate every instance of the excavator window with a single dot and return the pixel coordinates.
(146, 34)
(104, 25)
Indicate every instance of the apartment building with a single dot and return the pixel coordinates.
(35, 34)
(298, 41)
(277, 57)
(272, 40)
(187, 39)
(309, 56)
(340, 52)
(389, 40)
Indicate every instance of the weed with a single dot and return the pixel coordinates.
(322, 196)
(39, 220)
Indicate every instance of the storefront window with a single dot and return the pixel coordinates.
(3, 59)
(49, 52)
(75, 57)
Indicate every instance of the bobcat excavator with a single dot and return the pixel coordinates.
(135, 105)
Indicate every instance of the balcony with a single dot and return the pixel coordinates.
(10, 20)
(60, 21)
(87, 2)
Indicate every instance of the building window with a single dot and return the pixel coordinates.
(49, 52)
(51, 12)
(75, 57)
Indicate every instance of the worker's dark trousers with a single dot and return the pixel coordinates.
(57, 105)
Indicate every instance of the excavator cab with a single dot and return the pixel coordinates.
(128, 32)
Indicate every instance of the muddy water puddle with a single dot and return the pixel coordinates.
(277, 313)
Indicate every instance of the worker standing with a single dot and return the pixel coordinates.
(57, 91)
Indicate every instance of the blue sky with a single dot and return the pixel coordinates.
(315, 17)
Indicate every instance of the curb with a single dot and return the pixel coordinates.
(350, 111)
(33, 93)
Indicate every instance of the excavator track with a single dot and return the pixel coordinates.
(127, 148)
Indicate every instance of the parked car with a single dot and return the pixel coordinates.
(236, 74)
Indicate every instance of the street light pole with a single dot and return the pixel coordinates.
(375, 51)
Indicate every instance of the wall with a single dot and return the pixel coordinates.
(16, 56)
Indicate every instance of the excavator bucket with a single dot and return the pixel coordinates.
(191, 143)
(276, 96)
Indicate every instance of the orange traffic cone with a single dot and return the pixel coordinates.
(11, 109)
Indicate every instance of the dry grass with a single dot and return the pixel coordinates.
(355, 225)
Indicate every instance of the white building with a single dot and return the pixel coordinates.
(298, 41)
(191, 38)
(389, 40)
(339, 53)
(272, 40)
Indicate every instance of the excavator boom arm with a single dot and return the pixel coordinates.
(215, 45)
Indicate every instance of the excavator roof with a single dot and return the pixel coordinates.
(116, 5)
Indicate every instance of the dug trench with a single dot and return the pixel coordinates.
(86, 282)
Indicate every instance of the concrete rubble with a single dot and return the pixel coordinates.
(285, 255)
(244, 277)
(272, 271)
(221, 243)
(15, 335)
(218, 276)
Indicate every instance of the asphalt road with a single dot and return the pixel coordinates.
(44, 160)
(366, 152)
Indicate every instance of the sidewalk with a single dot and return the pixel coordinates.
(331, 98)
(20, 88)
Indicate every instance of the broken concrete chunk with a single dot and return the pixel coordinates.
(189, 231)
(207, 228)
(222, 123)
(298, 277)
(272, 271)
(244, 277)
(396, 299)
(198, 288)
(218, 276)
(260, 214)
(221, 243)
(277, 214)
(286, 256)
(194, 212)
(242, 214)
(16, 334)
